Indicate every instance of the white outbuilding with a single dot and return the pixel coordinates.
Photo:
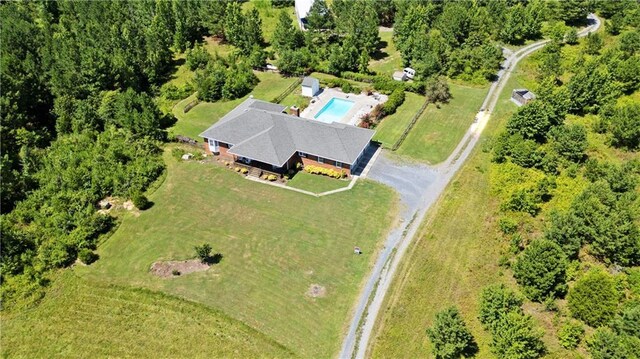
(310, 86)
(400, 76)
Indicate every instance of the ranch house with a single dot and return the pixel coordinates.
(260, 134)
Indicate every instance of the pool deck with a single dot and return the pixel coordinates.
(362, 104)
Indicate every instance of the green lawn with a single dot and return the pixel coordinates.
(275, 244)
(388, 59)
(295, 98)
(438, 131)
(316, 183)
(391, 127)
(205, 114)
(80, 319)
(455, 256)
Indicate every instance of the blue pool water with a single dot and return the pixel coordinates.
(334, 110)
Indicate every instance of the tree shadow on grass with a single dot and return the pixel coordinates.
(471, 350)
(379, 54)
(215, 259)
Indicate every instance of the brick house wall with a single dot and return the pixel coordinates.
(310, 160)
(313, 161)
(222, 150)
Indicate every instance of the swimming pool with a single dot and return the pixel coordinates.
(334, 110)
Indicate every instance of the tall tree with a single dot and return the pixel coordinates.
(286, 36)
(319, 17)
(450, 336)
(358, 20)
(573, 11)
(517, 338)
(541, 270)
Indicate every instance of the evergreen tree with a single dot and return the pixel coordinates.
(516, 338)
(450, 336)
(594, 298)
(541, 270)
(286, 36)
(319, 17)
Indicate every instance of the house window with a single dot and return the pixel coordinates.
(338, 164)
(302, 154)
(320, 160)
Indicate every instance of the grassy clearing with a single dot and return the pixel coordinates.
(80, 319)
(392, 127)
(295, 98)
(216, 47)
(275, 244)
(388, 59)
(316, 183)
(439, 130)
(455, 257)
(205, 114)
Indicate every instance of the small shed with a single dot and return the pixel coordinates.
(522, 96)
(400, 76)
(310, 86)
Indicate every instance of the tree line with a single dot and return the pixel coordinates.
(79, 121)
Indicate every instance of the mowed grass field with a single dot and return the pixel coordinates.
(388, 59)
(205, 114)
(316, 183)
(455, 256)
(438, 131)
(82, 319)
(275, 245)
(391, 127)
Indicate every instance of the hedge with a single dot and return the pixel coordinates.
(395, 100)
(317, 170)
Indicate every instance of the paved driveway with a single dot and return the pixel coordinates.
(411, 181)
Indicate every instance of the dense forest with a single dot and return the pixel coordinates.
(566, 172)
(79, 120)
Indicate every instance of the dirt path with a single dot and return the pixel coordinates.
(419, 188)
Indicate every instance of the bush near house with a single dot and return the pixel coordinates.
(317, 170)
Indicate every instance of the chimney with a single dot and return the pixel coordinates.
(294, 110)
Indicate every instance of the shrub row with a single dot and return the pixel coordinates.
(173, 92)
(355, 76)
(268, 177)
(345, 85)
(395, 100)
(317, 170)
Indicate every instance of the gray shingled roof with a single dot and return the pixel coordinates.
(308, 81)
(525, 94)
(272, 137)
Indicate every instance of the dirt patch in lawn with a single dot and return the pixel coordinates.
(166, 269)
(317, 291)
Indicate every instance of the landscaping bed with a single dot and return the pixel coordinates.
(168, 269)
